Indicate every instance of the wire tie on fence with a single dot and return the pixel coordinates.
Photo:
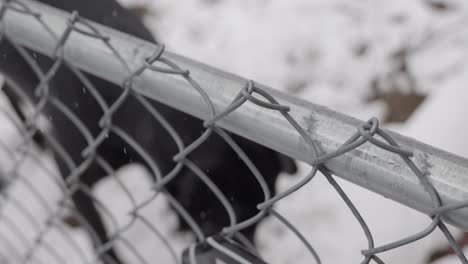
(239, 100)
(128, 82)
(273, 103)
(184, 73)
(383, 145)
(166, 70)
(372, 125)
(194, 85)
(365, 131)
(353, 142)
(274, 106)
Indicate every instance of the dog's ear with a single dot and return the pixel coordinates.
(287, 164)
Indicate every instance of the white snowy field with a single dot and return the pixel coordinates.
(324, 51)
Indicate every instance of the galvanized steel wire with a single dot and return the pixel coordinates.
(367, 133)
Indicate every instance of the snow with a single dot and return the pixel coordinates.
(442, 115)
(327, 52)
(296, 43)
(143, 236)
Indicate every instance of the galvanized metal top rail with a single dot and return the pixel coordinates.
(369, 166)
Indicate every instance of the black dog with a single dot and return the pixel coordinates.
(215, 157)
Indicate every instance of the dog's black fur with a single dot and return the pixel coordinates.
(214, 157)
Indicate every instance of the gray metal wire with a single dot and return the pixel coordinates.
(27, 249)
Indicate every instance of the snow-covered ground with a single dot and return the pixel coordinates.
(325, 51)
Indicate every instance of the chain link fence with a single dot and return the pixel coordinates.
(184, 182)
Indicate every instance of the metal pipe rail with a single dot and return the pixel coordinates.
(369, 166)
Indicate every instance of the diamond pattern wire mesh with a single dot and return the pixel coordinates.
(26, 237)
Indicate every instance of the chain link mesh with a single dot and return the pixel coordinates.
(26, 237)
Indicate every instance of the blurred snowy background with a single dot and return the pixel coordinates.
(404, 62)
